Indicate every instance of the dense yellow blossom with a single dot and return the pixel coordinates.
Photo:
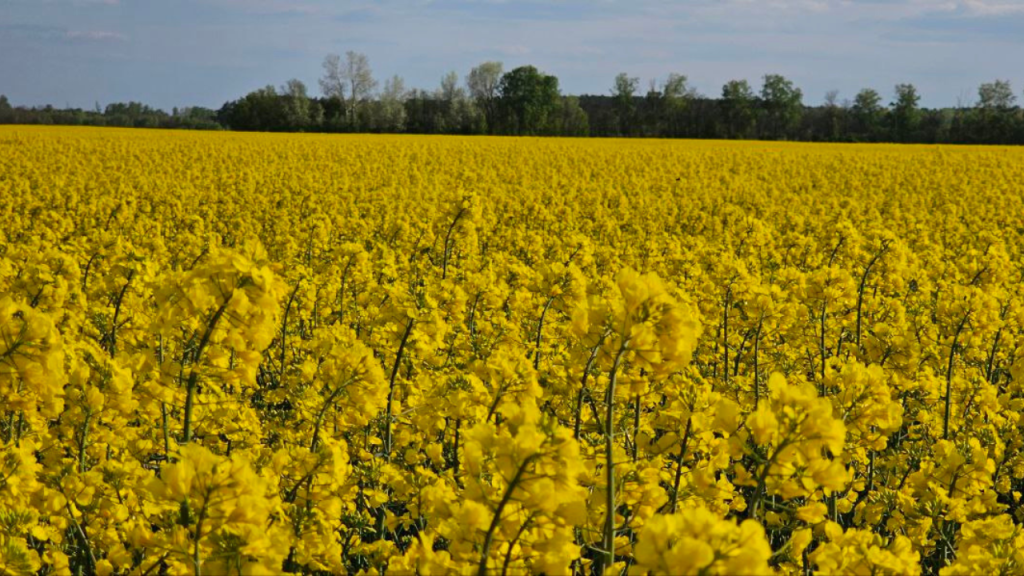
(698, 541)
(255, 354)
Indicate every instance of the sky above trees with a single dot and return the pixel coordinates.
(205, 52)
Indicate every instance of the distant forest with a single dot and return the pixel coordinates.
(526, 101)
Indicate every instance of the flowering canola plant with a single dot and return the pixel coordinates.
(263, 354)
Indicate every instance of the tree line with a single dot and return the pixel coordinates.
(527, 101)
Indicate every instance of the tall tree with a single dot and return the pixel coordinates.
(351, 81)
(782, 103)
(196, 118)
(299, 111)
(997, 95)
(675, 96)
(996, 112)
(6, 110)
(867, 113)
(662, 110)
(260, 110)
(651, 114)
(387, 114)
(624, 94)
(483, 82)
(906, 116)
(455, 113)
(332, 83)
(737, 105)
(833, 126)
(450, 90)
(571, 119)
(527, 98)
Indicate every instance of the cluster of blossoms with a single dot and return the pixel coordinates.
(228, 354)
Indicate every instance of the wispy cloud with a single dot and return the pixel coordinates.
(218, 49)
(57, 34)
(95, 36)
(513, 50)
(995, 8)
(81, 3)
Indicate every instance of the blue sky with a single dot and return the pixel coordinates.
(204, 52)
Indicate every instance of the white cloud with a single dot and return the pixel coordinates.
(205, 51)
(883, 9)
(513, 50)
(94, 36)
(988, 8)
(51, 34)
(71, 2)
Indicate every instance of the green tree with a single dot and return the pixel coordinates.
(335, 117)
(6, 110)
(483, 82)
(260, 110)
(906, 116)
(782, 104)
(572, 120)
(738, 108)
(662, 110)
(675, 98)
(834, 116)
(456, 113)
(997, 95)
(527, 98)
(997, 111)
(196, 118)
(351, 81)
(868, 114)
(133, 115)
(299, 112)
(624, 96)
(387, 113)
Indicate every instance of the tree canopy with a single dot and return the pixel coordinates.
(528, 101)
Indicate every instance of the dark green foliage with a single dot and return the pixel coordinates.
(526, 101)
(6, 110)
(906, 117)
(867, 116)
(781, 106)
(739, 109)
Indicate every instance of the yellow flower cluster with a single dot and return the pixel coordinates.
(698, 541)
(256, 354)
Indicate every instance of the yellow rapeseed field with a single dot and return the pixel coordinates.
(255, 354)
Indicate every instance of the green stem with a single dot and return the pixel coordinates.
(391, 390)
(512, 544)
(757, 373)
(583, 392)
(679, 468)
(725, 337)
(117, 312)
(505, 498)
(284, 326)
(196, 557)
(863, 284)
(609, 449)
(949, 375)
(540, 332)
(193, 377)
(81, 443)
